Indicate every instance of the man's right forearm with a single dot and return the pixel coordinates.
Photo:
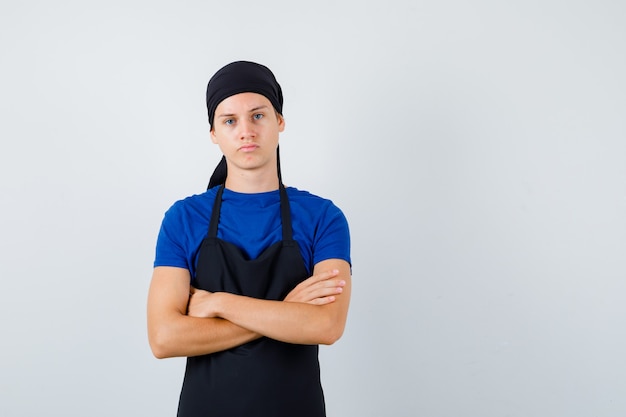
(193, 336)
(172, 332)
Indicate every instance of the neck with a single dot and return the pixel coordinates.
(252, 182)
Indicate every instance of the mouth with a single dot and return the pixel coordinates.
(248, 147)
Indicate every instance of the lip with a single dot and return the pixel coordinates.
(249, 147)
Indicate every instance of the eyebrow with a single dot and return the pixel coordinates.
(263, 106)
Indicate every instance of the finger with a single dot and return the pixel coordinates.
(328, 286)
(323, 300)
(322, 276)
(318, 285)
(322, 292)
(331, 283)
(329, 274)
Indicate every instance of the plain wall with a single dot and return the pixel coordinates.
(477, 149)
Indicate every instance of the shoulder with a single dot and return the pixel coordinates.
(308, 198)
(313, 207)
(321, 225)
(194, 202)
(310, 201)
(191, 207)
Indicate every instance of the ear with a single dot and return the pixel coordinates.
(213, 137)
(281, 122)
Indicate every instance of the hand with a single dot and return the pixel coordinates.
(319, 289)
(201, 303)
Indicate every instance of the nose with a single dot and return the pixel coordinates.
(246, 129)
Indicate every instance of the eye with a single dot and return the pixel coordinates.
(258, 116)
(229, 121)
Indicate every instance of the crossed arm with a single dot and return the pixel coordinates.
(184, 321)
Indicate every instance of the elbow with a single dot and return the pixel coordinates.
(331, 337)
(158, 350)
(332, 332)
(159, 344)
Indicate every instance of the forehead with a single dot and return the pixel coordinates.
(242, 102)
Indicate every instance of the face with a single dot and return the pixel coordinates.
(246, 128)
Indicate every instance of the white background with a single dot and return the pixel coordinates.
(477, 148)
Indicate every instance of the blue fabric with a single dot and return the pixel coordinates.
(252, 222)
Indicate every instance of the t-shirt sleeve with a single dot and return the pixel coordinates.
(332, 239)
(170, 249)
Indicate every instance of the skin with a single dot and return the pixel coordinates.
(185, 321)
(246, 128)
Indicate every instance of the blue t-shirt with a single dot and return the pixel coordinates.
(252, 222)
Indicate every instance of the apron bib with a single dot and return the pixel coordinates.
(264, 377)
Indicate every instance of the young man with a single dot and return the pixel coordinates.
(250, 276)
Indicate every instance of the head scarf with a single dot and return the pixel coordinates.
(242, 77)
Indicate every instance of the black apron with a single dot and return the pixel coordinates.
(264, 377)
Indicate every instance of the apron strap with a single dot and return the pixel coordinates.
(285, 213)
(215, 215)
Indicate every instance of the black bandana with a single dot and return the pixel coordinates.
(242, 77)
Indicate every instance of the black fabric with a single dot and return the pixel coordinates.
(263, 378)
(219, 174)
(242, 77)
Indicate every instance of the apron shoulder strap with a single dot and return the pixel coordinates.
(215, 214)
(285, 213)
